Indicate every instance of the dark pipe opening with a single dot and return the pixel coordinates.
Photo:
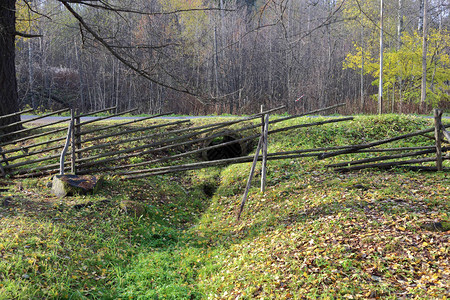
(224, 152)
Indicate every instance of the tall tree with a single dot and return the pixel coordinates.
(8, 83)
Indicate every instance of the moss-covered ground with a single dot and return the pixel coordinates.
(314, 233)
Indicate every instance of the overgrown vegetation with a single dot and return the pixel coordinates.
(313, 234)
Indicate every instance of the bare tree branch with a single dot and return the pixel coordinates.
(27, 35)
(117, 55)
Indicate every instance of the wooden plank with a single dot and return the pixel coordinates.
(212, 127)
(32, 137)
(34, 119)
(183, 143)
(381, 158)
(377, 150)
(201, 165)
(106, 117)
(307, 113)
(389, 164)
(122, 124)
(419, 168)
(31, 161)
(97, 111)
(34, 128)
(35, 145)
(242, 159)
(12, 158)
(41, 171)
(125, 132)
(355, 148)
(184, 137)
(176, 156)
(16, 113)
(309, 124)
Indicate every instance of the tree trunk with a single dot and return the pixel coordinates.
(8, 84)
(399, 23)
(420, 23)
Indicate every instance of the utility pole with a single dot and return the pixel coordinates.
(380, 83)
(423, 89)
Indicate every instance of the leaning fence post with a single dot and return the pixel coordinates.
(250, 177)
(264, 153)
(438, 138)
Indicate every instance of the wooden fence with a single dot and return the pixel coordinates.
(397, 160)
(132, 149)
(38, 150)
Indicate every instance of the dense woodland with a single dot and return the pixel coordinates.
(231, 56)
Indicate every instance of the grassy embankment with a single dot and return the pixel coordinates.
(313, 234)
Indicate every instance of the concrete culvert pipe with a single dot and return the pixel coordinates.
(227, 151)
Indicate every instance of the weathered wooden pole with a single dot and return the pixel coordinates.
(16, 113)
(438, 137)
(264, 137)
(77, 133)
(2, 171)
(73, 142)
(250, 177)
(380, 78)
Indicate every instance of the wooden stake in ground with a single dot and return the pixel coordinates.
(438, 137)
(265, 134)
(250, 177)
(77, 133)
(2, 171)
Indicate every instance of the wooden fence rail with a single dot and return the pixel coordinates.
(86, 158)
(38, 157)
(16, 113)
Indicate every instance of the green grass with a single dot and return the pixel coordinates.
(312, 234)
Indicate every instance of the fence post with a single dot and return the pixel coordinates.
(73, 142)
(250, 177)
(438, 138)
(264, 136)
(4, 160)
(2, 171)
(66, 145)
(77, 128)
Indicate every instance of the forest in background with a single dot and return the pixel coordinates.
(231, 56)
